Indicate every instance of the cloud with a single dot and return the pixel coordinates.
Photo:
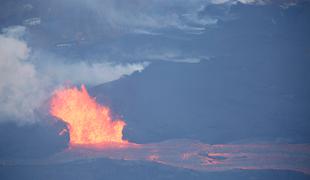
(151, 16)
(171, 55)
(32, 21)
(24, 85)
(257, 2)
(20, 89)
(95, 73)
(15, 32)
(157, 15)
(145, 32)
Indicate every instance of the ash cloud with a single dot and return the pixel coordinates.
(24, 86)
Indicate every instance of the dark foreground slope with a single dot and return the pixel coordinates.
(118, 169)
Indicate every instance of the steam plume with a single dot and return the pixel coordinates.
(23, 87)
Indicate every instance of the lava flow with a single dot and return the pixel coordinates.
(94, 134)
(89, 123)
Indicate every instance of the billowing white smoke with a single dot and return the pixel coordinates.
(23, 87)
(20, 88)
(95, 73)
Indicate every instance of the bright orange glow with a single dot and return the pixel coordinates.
(153, 157)
(88, 122)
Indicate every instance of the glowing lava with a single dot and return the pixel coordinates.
(89, 123)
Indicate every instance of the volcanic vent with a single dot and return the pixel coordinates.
(89, 123)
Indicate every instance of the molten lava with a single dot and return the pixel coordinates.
(89, 123)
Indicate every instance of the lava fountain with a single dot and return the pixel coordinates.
(89, 123)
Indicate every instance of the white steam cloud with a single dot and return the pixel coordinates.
(23, 88)
(20, 88)
(95, 73)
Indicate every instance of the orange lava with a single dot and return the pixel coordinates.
(89, 123)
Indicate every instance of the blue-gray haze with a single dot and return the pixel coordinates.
(217, 71)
